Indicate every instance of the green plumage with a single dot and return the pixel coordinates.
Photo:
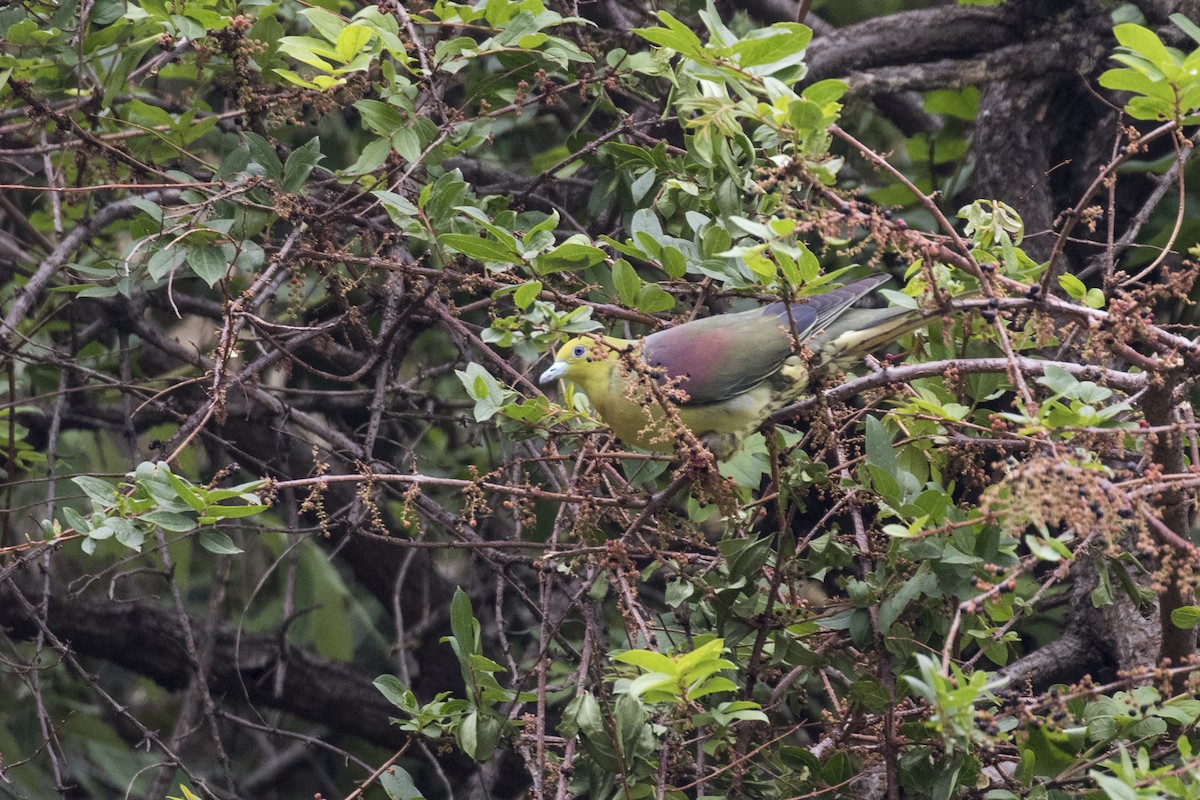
(729, 372)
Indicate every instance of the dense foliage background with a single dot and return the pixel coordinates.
(287, 516)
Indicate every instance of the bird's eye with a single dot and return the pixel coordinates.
(579, 351)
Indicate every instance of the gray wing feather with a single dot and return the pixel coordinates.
(720, 357)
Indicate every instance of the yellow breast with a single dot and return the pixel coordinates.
(637, 417)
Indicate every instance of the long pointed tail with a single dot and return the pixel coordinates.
(859, 331)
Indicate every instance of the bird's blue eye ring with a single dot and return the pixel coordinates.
(578, 351)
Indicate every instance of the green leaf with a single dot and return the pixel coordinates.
(398, 784)
(379, 117)
(216, 542)
(790, 40)
(1186, 617)
(707, 653)
(398, 207)
(652, 299)
(1145, 43)
(648, 660)
(101, 532)
(101, 492)
(674, 262)
(837, 769)
(640, 187)
(678, 592)
(478, 734)
(656, 687)
(293, 77)
(163, 262)
(264, 155)
(831, 90)
(526, 293)
(395, 691)
(407, 144)
(569, 256)
(1129, 80)
(127, 533)
(760, 265)
(75, 520)
(804, 115)
(299, 164)
(1073, 286)
(1058, 380)
(925, 582)
(1114, 788)
(583, 715)
(880, 450)
(1187, 26)
(186, 492)
(310, 51)
(208, 263)
(106, 12)
(484, 389)
(676, 36)
(480, 249)
(745, 557)
(324, 22)
(630, 716)
(503, 235)
(626, 282)
(170, 521)
(463, 624)
(216, 512)
(1042, 549)
(352, 40)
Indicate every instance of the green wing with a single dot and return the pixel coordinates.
(720, 357)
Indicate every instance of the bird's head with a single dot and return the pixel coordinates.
(586, 360)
